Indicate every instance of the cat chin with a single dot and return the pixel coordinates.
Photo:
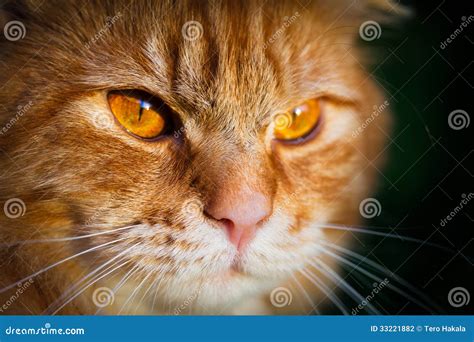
(219, 292)
(226, 294)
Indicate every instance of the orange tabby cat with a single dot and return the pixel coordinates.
(181, 157)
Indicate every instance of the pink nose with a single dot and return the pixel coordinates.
(241, 213)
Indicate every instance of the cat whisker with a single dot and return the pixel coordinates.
(387, 235)
(153, 285)
(306, 295)
(134, 293)
(144, 294)
(382, 270)
(64, 239)
(340, 282)
(157, 287)
(353, 267)
(59, 263)
(323, 287)
(122, 282)
(121, 256)
(69, 295)
(90, 284)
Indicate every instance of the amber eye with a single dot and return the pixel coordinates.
(137, 115)
(298, 122)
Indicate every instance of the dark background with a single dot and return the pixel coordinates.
(430, 164)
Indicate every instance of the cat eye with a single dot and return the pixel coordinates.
(139, 113)
(298, 122)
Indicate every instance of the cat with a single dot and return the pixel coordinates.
(222, 213)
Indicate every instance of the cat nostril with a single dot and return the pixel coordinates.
(241, 214)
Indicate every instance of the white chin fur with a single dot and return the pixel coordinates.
(211, 287)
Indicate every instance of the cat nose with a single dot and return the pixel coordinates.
(241, 214)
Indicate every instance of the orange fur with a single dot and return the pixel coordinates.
(77, 178)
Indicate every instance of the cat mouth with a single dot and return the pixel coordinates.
(235, 270)
(235, 266)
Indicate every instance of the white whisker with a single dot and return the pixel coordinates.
(134, 293)
(78, 283)
(59, 263)
(329, 293)
(89, 285)
(144, 295)
(122, 282)
(388, 235)
(307, 296)
(64, 239)
(325, 269)
(383, 270)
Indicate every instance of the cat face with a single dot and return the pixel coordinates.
(217, 205)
